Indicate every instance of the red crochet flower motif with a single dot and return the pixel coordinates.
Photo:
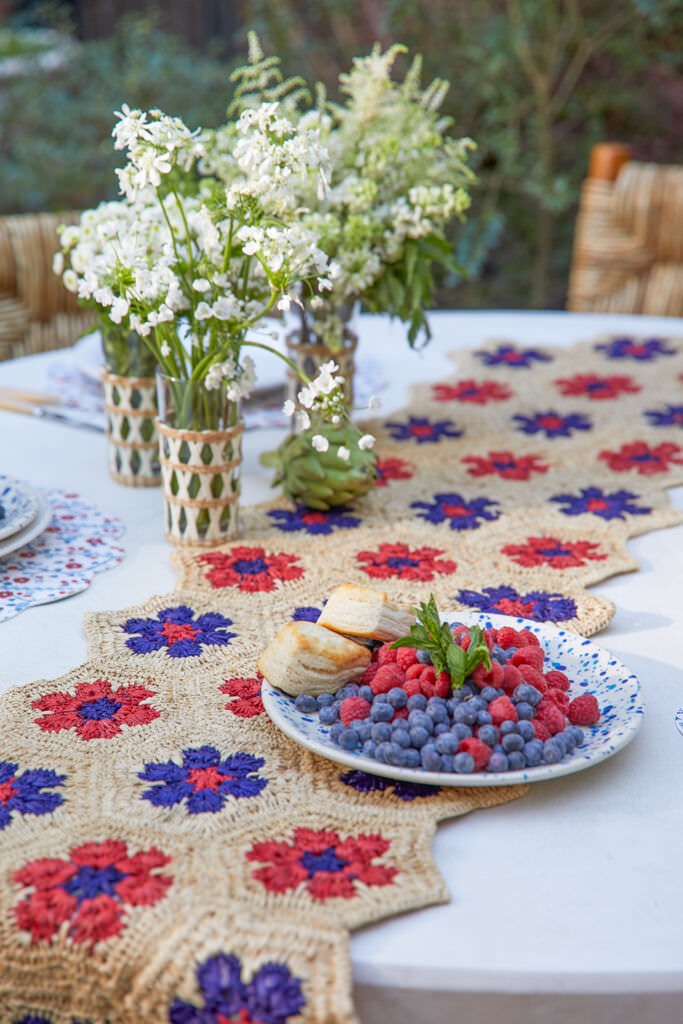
(90, 890)
(393, 469)
(644, 459)
(95, 711)
(594, 387)
(472, 391)
(250, 569)
(326, 865)
(399, 560)
(552, 551)
(506, 464)
(248, 694)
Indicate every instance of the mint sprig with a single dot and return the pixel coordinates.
(432, 635)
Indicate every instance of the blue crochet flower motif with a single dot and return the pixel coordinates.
(616, 505)
(511, 355)
(23, 793)
(363, 782)
(309, 520)
(552, 424)
(272, 996)
(670, 416)
(306, 613)
(536, 604)
(204, 780)
(178, 632)
(422, 430)
(461, 513)
(642, 350)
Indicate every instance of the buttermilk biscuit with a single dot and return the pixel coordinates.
(365, 613)
(307, 658)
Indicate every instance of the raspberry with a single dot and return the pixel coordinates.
(412, 686)
(558, 697)
(369, 674)
(507, 637)
(541, 731)
(400, 713)
(584, 710)
(512, 677)
(534, 677)
(405, 657)
(428, 681)
(353, 708)
(533, 656)
(481, 752)
(461, 635)
(502, 710)
(551, 716)
(488, 677)
(386, 654)
(414, 671)
(526, 637)
(386, 677)
(442, 685)
(557, 679)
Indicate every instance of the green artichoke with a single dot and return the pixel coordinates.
(322, 480)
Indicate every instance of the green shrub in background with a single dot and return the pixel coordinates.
(55, 125)
(536, 83)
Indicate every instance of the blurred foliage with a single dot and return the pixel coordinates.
(536, 85)
(55, 126)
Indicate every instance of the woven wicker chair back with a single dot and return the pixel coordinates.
(37, 313)
(628, 244)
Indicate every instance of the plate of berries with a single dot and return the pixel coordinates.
(539, 703)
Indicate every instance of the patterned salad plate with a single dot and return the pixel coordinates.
(590, 669)
(35, 527)
(19, 505)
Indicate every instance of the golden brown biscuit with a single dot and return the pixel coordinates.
(305, 657)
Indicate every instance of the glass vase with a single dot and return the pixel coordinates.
(317, 340)
(200, 449)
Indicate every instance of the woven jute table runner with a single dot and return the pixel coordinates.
(167, 855)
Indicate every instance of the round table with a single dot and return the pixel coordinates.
(564, 905)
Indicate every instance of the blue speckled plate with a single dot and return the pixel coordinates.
(20, 504)
(589, 667)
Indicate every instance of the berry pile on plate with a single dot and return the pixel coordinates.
(508, 717)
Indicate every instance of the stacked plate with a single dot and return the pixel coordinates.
(24, 515)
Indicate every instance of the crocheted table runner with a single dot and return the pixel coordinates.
(167, 854)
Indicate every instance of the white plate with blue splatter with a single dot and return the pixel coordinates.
(590, 668)
(19, 506)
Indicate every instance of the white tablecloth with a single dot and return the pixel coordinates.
(566, 905)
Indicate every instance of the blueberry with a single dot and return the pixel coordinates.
(380, 732)
(461, 730)
(397, 697)
(507, 726)
(488, 734)
(512, 741)
(418, 702)
(325, 700)
(421, 718)
(463, 763)
(525, 710)
(441, 727)
(383, 752)
(569, 740)
(498, 762)
(382, 712)
(447, 743)
(483, 718)
(437, 712)
(349, 739)
(469, 689)
(498, 654)
(363, 729)
(453, 702)
(562, 742)
(578, 734)
(533, 751)
(552, 751)
(366, 693)
(369, 748)
(478, 703)
(526, 730)
(527, 693)
(401, 737)
(380, 698)
(418, 736)
(306, 704)
(395, 753)
(424, 657)
(447, 761)
(336, 731)
(516, 760)
(431, 759)
(350, 690)
(489, 693)
(328, 714)
(410, 758)
(465, 715)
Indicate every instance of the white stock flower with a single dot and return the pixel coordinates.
(302, 420)
(367, 441)
(343, 453)
(320, 443)
(289, 407)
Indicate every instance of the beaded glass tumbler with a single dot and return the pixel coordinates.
(200, 449)
(133, 449)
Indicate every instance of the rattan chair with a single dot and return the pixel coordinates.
(628, 244)
(37, 313)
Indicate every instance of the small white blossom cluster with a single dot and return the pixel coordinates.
(322, 400)
(190, 261)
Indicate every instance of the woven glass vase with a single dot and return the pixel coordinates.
(317, 341)
(200, 449)
(130, 403)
